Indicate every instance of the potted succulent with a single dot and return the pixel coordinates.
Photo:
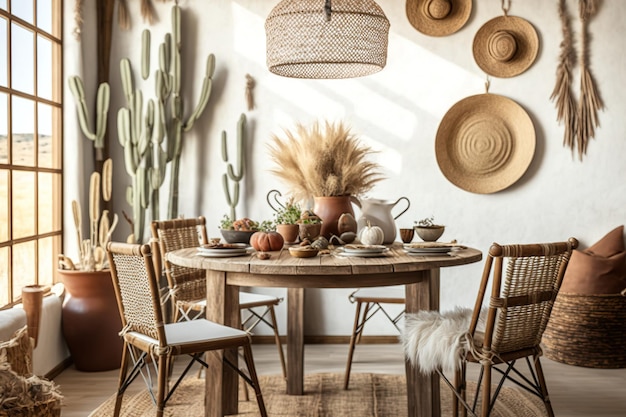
(427, 230)
(325, 162)
(310, 226)
(286, 220)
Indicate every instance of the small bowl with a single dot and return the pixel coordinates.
(429, 233)
(303, 252)
(237, 236)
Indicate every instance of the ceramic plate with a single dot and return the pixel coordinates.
(361, 249)
(422, 251)
(362, 254)
(229, 249)
(222, 254)
(428, 253)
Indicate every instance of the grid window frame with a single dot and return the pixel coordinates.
(31, 238)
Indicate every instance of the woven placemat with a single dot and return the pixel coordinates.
(370, 395)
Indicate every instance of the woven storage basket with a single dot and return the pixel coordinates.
(587, 330)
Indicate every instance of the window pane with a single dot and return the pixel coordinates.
(3, 4)
(4, 128)
(44, 126)
(23, 62)
(49, 202)
(4, 276)
(23, 144)
(23, 204)
(46, 260)
(4, 205)
(44, 15)
(23, 267)
(44, 65)
(3, 53)
(23, 9)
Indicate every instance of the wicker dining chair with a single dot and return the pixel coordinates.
(497, 336)
(187, 286)
(150, 343)
(375, 301)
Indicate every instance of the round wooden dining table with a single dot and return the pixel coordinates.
(419, 273)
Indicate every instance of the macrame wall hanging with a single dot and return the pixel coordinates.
(580, 118)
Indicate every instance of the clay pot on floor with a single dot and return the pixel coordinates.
(91, 320)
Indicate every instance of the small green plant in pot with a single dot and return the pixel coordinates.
(427, 230)
(310, 225)
(287, 218)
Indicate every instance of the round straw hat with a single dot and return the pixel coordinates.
(485, 143)
(438, 17)
(506, 46)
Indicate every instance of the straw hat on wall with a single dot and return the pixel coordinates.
(485, 143)
(505, 46)
(438, 17)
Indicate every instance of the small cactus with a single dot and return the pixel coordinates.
(235, 176)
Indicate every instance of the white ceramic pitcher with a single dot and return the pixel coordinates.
(378, 213)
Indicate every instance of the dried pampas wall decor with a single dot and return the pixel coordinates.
(78, 19)
(579, 117)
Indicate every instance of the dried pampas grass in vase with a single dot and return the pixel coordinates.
(323, 161)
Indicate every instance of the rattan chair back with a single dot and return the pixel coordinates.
(525, 283)
(186, 285)
(135, 288)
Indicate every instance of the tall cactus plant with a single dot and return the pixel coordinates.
(102, 109)
(234, 175)
(152, 141)
(176, 124)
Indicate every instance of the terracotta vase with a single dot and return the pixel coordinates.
(32, 300)
(329, 209)
(289, 232)
(91, 320)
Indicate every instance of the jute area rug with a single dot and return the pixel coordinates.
(370, 395)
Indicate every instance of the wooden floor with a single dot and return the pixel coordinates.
(575, 391)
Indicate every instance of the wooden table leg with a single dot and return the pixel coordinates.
(222, 393)
(295, 341)
(423, 397)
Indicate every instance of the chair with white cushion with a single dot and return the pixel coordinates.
(525, 280)
(370, 301)
(187, 286)
(150, 343)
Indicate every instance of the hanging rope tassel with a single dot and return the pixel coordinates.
(562, 93)
(589, 101)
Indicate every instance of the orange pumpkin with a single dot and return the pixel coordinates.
(267, 241)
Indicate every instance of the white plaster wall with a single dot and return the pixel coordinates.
(396, 111)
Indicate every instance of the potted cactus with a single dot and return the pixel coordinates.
(90, 318)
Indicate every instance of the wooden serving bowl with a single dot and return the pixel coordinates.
(303, 252)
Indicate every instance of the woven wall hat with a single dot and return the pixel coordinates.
(506, 46)
(485, 143)
(438, 17)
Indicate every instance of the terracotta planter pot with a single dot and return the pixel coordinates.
(289, 232)
(310, 231)
(91, 320)
(329, 209)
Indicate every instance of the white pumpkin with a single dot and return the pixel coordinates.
(372, 235)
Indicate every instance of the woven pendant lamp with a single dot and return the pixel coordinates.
(326, 39)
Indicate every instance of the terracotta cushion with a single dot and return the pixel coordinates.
(599, 269)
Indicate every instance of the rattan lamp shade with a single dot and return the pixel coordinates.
(324, 39)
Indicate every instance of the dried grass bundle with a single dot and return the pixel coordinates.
(323, 161)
